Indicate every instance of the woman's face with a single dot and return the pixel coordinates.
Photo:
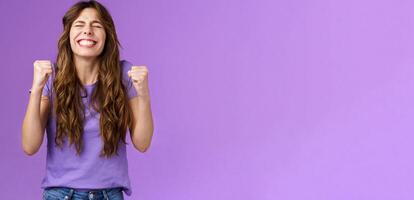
(87, 34)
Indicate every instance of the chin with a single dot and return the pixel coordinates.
(88, 56)
(87, 53)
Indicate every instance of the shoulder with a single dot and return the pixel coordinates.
(125, 67)
(125, 64)
(48, 88)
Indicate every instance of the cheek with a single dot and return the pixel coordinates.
(102, 37)
(71, 38)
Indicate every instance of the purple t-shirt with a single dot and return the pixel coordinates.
(87, 171)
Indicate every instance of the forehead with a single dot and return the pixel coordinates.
(88, 14)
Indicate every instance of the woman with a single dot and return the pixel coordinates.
(86, 104)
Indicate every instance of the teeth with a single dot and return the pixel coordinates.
(87, 42)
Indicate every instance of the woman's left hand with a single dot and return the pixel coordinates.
(139, 76)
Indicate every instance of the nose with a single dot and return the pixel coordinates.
(87, 32)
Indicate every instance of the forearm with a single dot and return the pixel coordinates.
(143, 125)
(32, 130)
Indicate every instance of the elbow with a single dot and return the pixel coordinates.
(30, 145)
(142, 144)
(142, 148)
(29, 152)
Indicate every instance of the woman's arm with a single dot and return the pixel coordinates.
(34, 122)
(35, 119)
(142, 124)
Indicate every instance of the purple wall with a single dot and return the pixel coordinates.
(252, 99)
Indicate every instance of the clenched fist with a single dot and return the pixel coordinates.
(42, 71)
(139, 76)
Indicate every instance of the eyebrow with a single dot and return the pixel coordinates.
(83, 22)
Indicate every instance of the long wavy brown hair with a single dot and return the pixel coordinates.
(109, 97)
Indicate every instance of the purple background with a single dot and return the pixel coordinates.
(251, 99)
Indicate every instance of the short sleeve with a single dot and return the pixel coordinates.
(126, 66)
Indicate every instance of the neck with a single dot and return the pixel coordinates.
(87, 69)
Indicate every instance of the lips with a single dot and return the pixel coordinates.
(86, 42)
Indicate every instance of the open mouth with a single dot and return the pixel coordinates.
(86, 43)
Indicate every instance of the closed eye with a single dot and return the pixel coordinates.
(93, 26)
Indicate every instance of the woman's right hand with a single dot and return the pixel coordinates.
(42, 71)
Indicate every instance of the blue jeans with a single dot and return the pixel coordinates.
(64, 193)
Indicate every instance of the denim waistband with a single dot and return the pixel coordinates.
(68, 189)
(67, 192)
